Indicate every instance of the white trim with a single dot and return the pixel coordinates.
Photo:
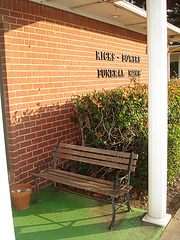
(173, 28)
(141, 12)
(132, 8)
(120, 4)
(85, 14)
(174, 46)
(157, 221)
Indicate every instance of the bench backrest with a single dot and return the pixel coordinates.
(101, 157)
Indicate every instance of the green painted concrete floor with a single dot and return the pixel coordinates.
(65, 215)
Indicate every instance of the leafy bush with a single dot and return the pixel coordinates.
(173, 130)
(118, 119)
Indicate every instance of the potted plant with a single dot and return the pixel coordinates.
(21, 195)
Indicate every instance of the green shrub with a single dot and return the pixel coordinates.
(173, 130)
(118, 120)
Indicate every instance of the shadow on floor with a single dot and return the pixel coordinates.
(64, 215)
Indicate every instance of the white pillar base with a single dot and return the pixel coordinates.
(163, 222)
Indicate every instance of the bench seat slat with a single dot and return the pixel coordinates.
(58, 171)
(95, 156)
(97, 150)
(83, 177)
(96, 162)
(87, 183)
(75, 183)
(94, 182)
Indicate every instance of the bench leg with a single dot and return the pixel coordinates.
(37, 190)
(128, 206)
(112, 225)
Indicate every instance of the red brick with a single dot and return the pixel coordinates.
(35, 36)
(28, 16)
(42, 133)
(23, 175)
(28, 167)
(56, 135)
(48, 137)
(34, 8)
(45, 114)
(26, 156)
(6, 4)
(26, 7)
(22, 22)
(45, 59)
(37, 152)
(42, 145)
(31, 148)
(27, 99)
(35, 117)
(37, 140)
(31, 160)
(16, 5)
(36, 129)
(25, 144)
(15, 14)
(30, 136)
(24, 131)
(10, 19)
(53, 142)
(43, 156)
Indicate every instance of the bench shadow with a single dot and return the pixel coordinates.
(52, 201)
(64, 214)
(84, 228)
(67, 215)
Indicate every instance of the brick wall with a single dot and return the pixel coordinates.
(47, 56)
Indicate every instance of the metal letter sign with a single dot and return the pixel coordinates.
(113, 73)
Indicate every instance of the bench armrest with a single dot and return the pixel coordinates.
(121, 183)
(48, 165)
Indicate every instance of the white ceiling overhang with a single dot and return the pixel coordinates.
(118, 13)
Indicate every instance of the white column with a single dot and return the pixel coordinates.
(6, 220)
(157, 145)
(179, 65)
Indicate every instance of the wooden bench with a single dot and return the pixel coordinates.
(101, 157)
